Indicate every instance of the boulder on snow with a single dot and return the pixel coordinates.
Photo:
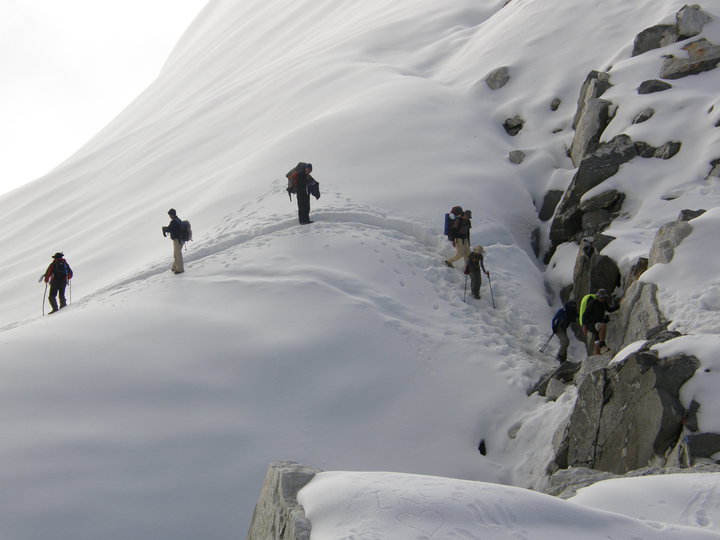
(652, 86)
(595, 85)
(669, 236)
(690, 21)
(702, 56)
(590, 125)
(498, 78)
(639, 313)
(516, 156)
(593, 170)
(555, 104)
(513, 125)
(644, 115)
(654, 37)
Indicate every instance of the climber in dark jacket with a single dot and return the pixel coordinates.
(58, 274)
(563, 318)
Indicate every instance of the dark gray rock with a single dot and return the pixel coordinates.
(516, 156)
(593, 170)
(594, 272)
(652, 86)
(636, 270)
(595, 221)
(498, 78)
(702, 56)
(555, 104)
(654, 37)
(668, 150)
(513, 125)
(610, 200)
(644, 150)
(714, 169)
(644, 115)
(702, 445)
(550, 202)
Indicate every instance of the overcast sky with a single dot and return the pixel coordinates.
(68, 68)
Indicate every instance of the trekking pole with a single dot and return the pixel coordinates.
(547, 341)
(43, 304)
(465, 291)
(491, 291)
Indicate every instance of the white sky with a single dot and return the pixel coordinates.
(68, 68)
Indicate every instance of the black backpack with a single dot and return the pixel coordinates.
(292, 176)
(185, 234)
(60, 270)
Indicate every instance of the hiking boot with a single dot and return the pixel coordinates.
(53, 310)
(448, 263)
(476, 296)
(178, 271)
(62, 306)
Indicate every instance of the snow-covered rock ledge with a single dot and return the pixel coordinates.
(278, 515)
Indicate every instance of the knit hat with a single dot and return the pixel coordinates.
(479, 249)
(602, 293)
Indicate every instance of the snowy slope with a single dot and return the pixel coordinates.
(151, 407)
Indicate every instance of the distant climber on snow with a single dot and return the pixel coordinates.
(180, 233)
(476, 262)
(593, 318)
(459, 234)
(302, 184)
(563, 318)
(58, 274)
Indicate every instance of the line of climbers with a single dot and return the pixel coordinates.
(592, 318)
(458, 223)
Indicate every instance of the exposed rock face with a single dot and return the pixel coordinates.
(689, 22)
(594, 169)
(639, 313)
(591, 117)
(654, 38)
(550, 201)
(498, 78)
(702, 56)
(628, 415)
(278, 515)
(669, 237)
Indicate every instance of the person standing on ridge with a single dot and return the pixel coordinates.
(593, 318)
(174, 229)
(301, 182)
(460, 237)
(476, 262)
(58, 274)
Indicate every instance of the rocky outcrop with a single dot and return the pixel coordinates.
(670, 235)
(689, 22)
(591, 117)
(594, 169)
(627, 415)
(702, 56)
(278, 515)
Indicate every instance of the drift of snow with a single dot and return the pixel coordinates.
(152, 405)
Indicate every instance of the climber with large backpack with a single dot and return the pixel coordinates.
(302, 184)
(563, 318)
(459, 234)
(180, 233)
(58, 275)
